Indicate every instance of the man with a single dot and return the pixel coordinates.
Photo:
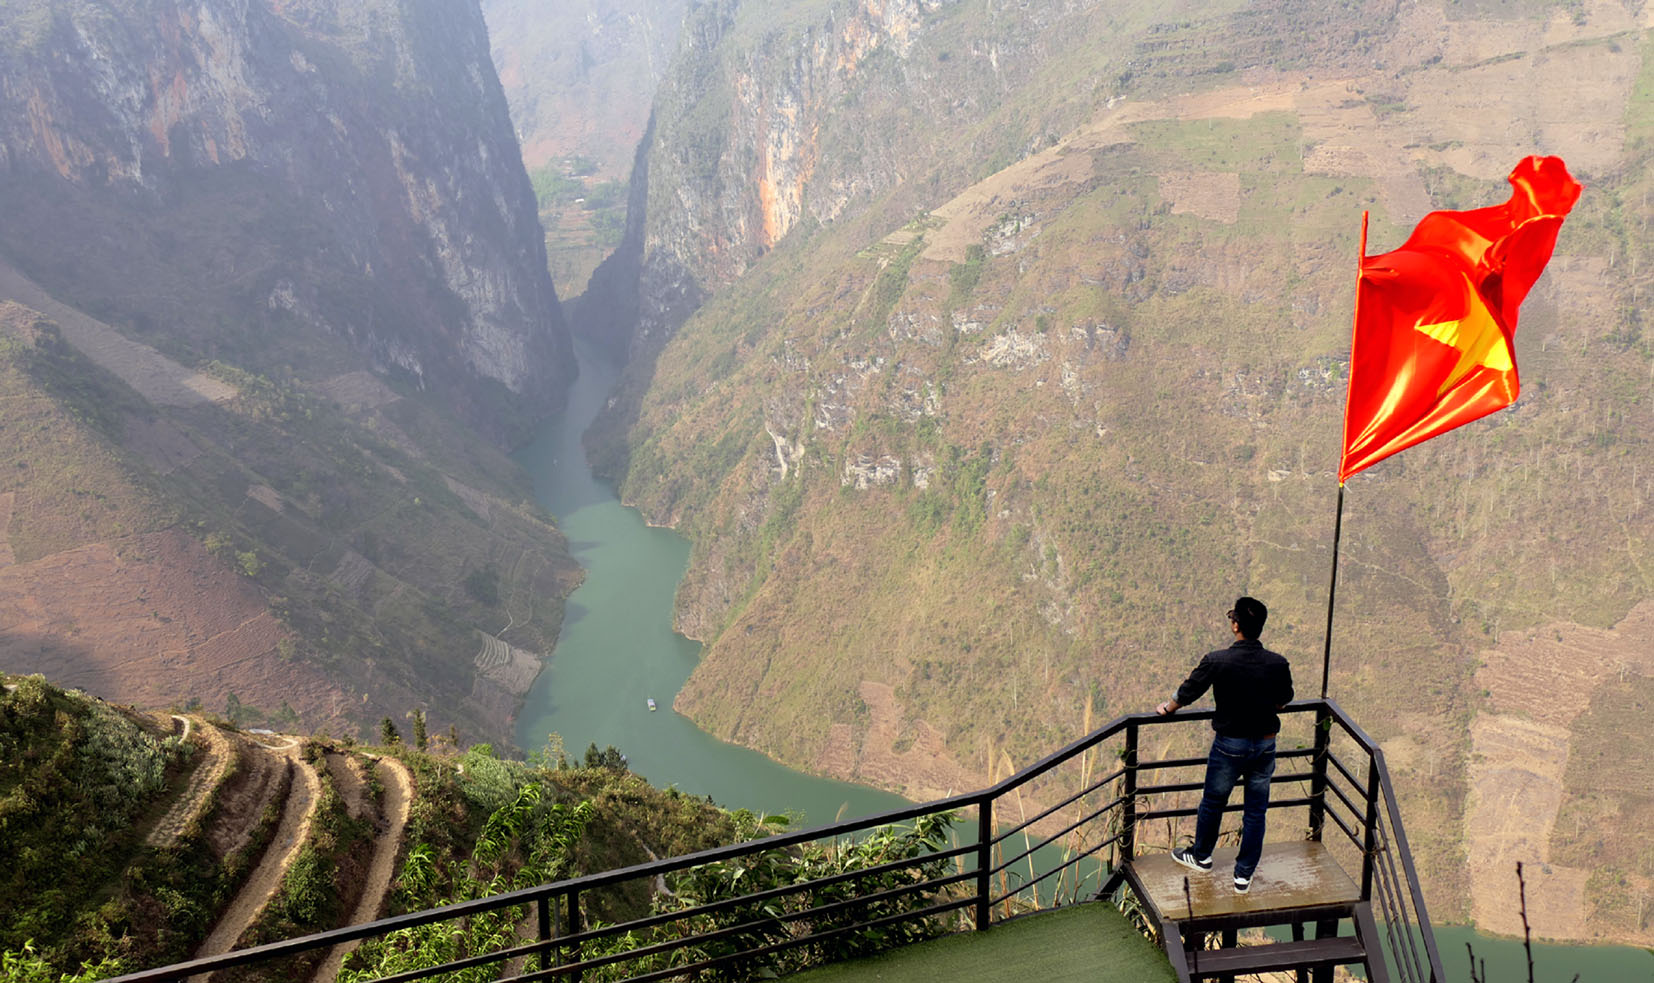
(1249, 684)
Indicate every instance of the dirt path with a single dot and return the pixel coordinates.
(207, 776)
(291, 833)
(387, 843)
(157, 378)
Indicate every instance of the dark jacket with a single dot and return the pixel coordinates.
(1249, 683)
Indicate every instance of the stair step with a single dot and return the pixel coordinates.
(1310, 953)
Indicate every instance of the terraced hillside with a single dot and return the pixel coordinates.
(149, 838)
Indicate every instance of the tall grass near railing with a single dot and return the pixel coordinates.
(779, 911)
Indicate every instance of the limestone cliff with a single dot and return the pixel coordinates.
(252, 174)
(736, 153)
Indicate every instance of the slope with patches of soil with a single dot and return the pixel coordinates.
(1539, 684)
(110, 496)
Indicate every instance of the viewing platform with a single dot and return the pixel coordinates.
(1298, 885)
(1060, 871)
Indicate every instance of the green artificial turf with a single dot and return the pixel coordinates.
(1091, 942)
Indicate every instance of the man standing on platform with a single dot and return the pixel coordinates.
(1249, 684)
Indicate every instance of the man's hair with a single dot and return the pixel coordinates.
(1250, 615)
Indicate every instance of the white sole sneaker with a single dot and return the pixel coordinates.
(1187, 858)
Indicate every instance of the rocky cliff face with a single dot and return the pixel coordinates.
(252, 173)
(736, 153)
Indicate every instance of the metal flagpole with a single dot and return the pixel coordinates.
(1332, 589)
(1338, 523)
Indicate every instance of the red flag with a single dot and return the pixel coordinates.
(1435, 321)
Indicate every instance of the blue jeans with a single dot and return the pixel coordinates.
(1231, 760)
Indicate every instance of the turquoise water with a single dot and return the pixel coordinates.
(1506, 962)
(617, 649)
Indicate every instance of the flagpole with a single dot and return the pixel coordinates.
(1332, 590)
(1338, 522)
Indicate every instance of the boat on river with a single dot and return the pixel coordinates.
(651, 702)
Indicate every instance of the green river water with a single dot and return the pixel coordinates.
(617, 650)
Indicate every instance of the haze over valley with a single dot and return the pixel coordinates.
(982, 353)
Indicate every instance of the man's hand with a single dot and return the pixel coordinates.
(1167, 708)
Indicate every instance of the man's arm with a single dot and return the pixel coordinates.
(1199, 681)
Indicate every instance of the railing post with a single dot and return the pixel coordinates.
(1128, 814)
(1369, 837)
(984, 860)
(574, 929)
(543, 916)
(1318, 783)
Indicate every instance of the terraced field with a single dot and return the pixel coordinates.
(239, 780)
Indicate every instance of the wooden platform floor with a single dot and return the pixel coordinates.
(1290, 876)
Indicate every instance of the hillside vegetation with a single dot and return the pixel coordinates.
(1048, 366)
(133, 841)
(131, 845)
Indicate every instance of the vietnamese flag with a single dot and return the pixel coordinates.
(1435, 321)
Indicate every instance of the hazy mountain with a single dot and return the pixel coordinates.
(986, 352)
(248, 175)
(266, 257)
(580, 76)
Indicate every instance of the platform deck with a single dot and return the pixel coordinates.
(1290, 877)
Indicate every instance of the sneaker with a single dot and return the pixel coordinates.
(1242, 884)
(1187, 858)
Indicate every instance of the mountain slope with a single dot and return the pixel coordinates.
(1048, 367)
(253, 555)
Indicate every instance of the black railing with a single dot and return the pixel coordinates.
(1051, 834)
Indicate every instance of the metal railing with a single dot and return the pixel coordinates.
(1056, 832)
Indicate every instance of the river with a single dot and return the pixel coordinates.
(617, 650)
